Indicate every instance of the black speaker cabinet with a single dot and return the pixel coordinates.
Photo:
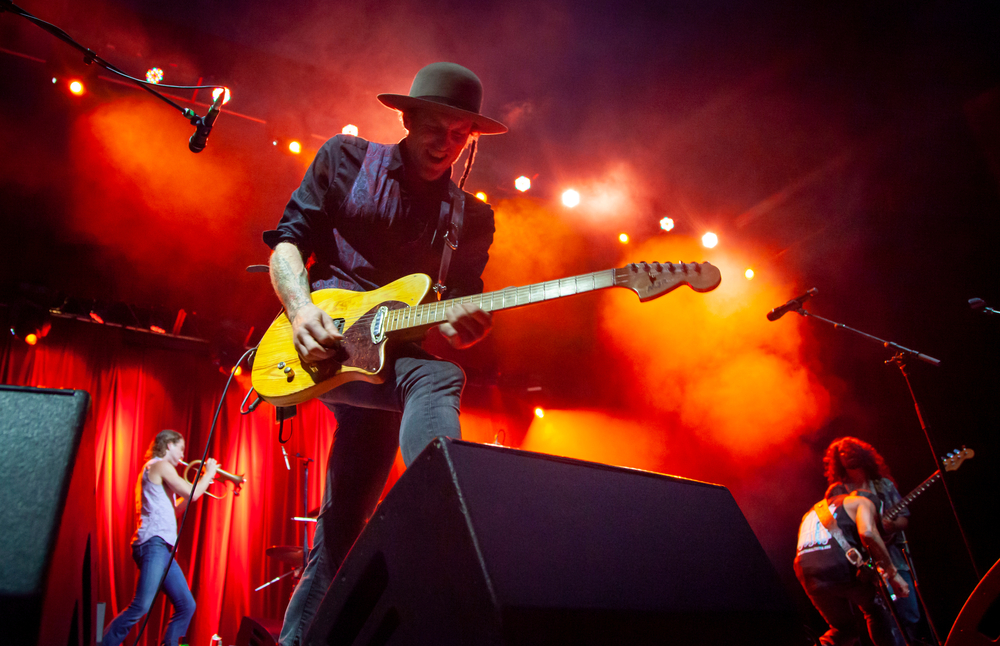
(255, 631)
(45, 578)
(478, 544)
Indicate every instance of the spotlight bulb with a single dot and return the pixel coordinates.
(570, 198)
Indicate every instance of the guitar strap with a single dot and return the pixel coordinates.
(822, 509)
(452, 216)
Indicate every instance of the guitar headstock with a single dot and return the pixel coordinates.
(652, 279)
(953, 460)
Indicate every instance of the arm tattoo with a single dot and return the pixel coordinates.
(290, 282)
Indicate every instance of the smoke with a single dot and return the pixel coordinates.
(159, 218)
(736, 380)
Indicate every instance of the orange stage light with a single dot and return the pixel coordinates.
(350, 129)
(709, 240)
(623, 238)
(157, 329)
(295, 147)
(539, 413)
(480, 195)
(748, 273)
(667, 224)
(31, 339)
(522, 183)
(570, 198)
(76, 87)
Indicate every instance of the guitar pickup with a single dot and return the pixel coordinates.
(339, 324)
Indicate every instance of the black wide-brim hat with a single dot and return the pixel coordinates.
(447, 87)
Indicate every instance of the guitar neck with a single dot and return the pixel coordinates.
(429, 314)
(910, 497)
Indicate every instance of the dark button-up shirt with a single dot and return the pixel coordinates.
(366, 225)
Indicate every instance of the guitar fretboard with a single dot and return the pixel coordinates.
(433, 313)
(910, 497)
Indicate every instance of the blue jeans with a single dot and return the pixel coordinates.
(151, 557)
(418, 402)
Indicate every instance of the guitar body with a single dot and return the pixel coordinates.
(281, 378)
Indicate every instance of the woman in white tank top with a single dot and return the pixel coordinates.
(160, 495)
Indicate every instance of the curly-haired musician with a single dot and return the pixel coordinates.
(859, 466)
(160, 495)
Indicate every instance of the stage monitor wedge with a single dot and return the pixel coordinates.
(41, 432)
(477, 544)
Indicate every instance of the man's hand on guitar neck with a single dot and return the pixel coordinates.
(467, 325)
(314, 335)
(890, 527)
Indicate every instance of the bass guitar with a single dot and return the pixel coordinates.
(398, 312)
(950, 462)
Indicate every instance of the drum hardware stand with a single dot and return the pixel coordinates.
(304, 461)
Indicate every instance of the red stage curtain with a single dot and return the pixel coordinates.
(139, 387)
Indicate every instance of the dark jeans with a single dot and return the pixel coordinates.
(836, 602)
(151, 557)
(418, 402)
(908, 608)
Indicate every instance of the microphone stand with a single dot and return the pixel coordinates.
(901, 354)
(89, 57)
(901, 538)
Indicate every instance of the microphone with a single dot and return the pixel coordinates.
(791, 305)
(204, 125)
(979, 305)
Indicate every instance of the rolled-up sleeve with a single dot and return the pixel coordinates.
(305, 214)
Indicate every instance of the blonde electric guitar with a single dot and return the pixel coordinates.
(394, 312)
